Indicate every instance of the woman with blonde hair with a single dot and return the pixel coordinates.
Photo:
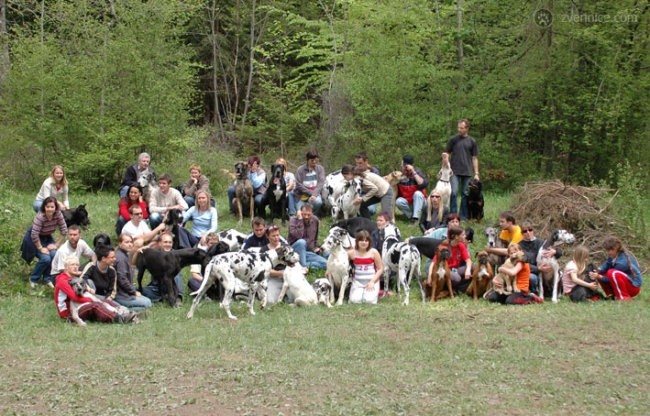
(197, 182)
(433, 214)
(573, 284)
(620, 275)
(56, 185)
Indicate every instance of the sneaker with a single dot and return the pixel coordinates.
(536, 298)
(415, 221)
(50, 285)
(32, 284)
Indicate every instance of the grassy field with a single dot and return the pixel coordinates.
(452, 357)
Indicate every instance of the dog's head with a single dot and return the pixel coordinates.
(337, 236)
(475, 185)
(563, 236)
(174, 217)
(287, 255)
(443, 252)
(277, 171)
(492, 234)
(483, 257)
(80, 216)
(394, 177)
(241, 170)
(517, 256)
(101, 239)
(322, 287)
(78, 284)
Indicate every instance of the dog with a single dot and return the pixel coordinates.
(164, 266)
(355, 224)
(345, 201)
(80, 288)
(440, 275)
(147, 183)
(337, 243)
(323, 288)
(298, 287)
(482, 276)
(494, 241)
(243, 192)
(251, 268)
(76, 216)
(233, 238)
(475, 200)
(425, 245)
(173, 221)
(393, 179)
(276, 194)
(552, 278)
(509, 283)
(443, 186)
(402, 258)
(332, 189)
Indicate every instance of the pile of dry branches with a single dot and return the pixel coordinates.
(584, 211)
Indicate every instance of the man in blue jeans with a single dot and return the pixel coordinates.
(303, 237)
(464, 157)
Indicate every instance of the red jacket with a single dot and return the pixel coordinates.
(63, 293)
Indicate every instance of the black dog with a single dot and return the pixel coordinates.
(173, 221)
(475, 200)
(164, 266)
(76, 216)
(102, 239)
(425, 245)
(352, 225)
(581, 293)
(276, 194)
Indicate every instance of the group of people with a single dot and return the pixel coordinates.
(140, 223)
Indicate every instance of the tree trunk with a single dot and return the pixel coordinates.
(4, 44)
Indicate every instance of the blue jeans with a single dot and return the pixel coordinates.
(36, 205)
(124, 191)
(308, 258)
(135, 303)
(155, 218)
(418, 203)
(152, 291)
(463, 181)
(318, 204)
(42, 268)
(534, 283)
(291, 203)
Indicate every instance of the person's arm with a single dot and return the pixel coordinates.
(291, 183)
(464, 255)
(379, 269)
(64, 199)
(190, 187)
(475, 165)
(258, 178)
(578, 281)
(369, 189)
(296, 227)
(320, 175)
(420, 179)
(179, 200)
(124, 282)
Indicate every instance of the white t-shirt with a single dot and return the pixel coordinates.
(135, 232)
(82, 250)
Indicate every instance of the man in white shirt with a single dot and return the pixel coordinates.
(138, 228)
(75, 246)
(164, 199)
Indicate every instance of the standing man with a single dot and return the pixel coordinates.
(411, 191)
(75, 246)
(464, 157)
(164, 199)
(135, 171)
(303, 237)
(310, 179)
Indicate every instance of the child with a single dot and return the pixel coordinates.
(573, 285)
(368, 268)
(620, 275)
(520, 270)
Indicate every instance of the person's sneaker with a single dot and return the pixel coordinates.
(32, 284)
(179, 302)
(50, 285)
(415, 221)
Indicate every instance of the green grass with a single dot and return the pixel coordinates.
(452, 357)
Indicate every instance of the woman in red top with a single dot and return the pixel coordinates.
(133, 197)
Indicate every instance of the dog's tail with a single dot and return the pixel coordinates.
(206, 277)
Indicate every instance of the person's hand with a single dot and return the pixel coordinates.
(594, 275)
(548, 253)
(468, 274)
(593, 286)
(43, 250)
(299, 214)
(195, 180)
(312, 199)
(357, 200)
(545, 267)
(51, 247)
(498, 284)
(370, 285)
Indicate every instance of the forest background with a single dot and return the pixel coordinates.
(554, 89)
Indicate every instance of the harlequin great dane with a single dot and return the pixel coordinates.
(251, 268)
(400, 257)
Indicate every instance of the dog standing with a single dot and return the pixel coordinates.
(243, 192)
(552, 277)
(337, 243)
(440, 276)
(253, 269)
(482, 276)
(276, 194)
(475, 200)
(402, 258)
(443, 186)
(393, 179)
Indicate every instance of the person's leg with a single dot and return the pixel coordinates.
(119, 224)
(533, 283)
(453, 199)
(387, 202)
(300, 247)
(260, 205)
(314, 261)
(124, 191)
(135, 303)
(318, 204)
(152, 292)
(36, 205)
(418, 204)
(365, 208)
(464, 191)
(42, 267)
(231, 195)
(403, 205)
(155, 219)
(190, 200)
(291, 203)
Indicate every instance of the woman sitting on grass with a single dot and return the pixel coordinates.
(56, 185)
(521, 271)
(573, 285)
(134, 197)
(368, 268)
(48, 219)
(620, 275)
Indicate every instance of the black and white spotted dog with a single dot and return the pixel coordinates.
(251, 268)
(323, 288)
(345, 201)
(400, 257)
(276, 194)
(233, 238)
(337, 243)
(551, 280)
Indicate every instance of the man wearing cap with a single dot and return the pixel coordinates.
(411, 191)
(464, 158)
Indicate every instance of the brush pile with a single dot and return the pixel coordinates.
(584, 211)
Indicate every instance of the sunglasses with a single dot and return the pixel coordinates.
(273, 228)
(525, 230)
(435, 196)
(137, 213)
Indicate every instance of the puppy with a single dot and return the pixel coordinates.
(475, 200)
(323, 288)
(482, 276)
(393, 179)
(509, 282)
(440, 276)
(297, 286)
(80, 288)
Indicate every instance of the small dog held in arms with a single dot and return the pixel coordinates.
(443, 186)
(482, 276)
(509, 282)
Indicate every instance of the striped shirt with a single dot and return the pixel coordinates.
(44, 227)
(364, 269)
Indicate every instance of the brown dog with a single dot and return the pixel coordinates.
(243, 192)
(509, 282)
(482, 276)
(393, 179)
(440, 276)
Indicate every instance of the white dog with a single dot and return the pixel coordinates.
(552, 277)
(323, 288)
(337, 243)
(297, 286)
(443, 186)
